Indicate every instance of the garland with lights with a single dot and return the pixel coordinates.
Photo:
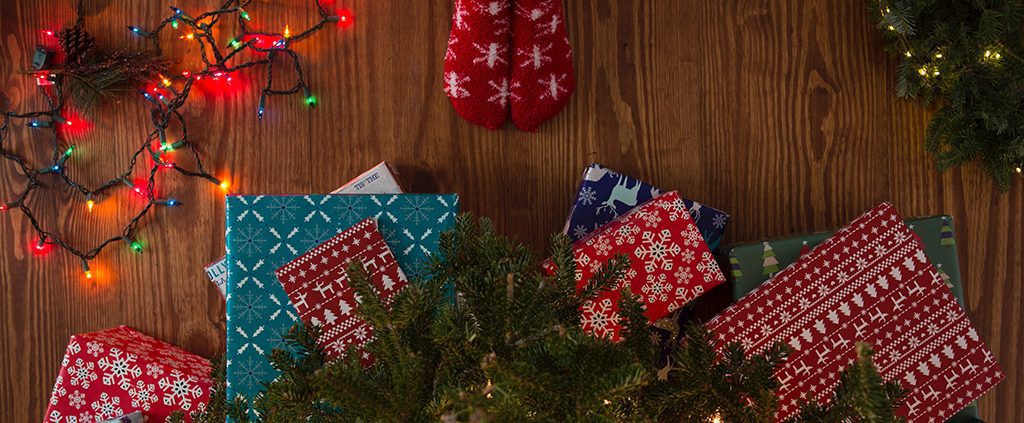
(166, 98)
(965, 58)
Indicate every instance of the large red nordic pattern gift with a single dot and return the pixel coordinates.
(670, 264)
(116, 371)
(870, 282)
(317, 285)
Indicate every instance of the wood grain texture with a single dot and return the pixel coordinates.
(781, 112)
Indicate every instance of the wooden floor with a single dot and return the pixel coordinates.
(781, 112)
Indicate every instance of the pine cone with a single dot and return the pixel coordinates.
(77, 43)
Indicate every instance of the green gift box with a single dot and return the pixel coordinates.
(752, 264)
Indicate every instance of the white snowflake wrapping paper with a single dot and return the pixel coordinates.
(115, 371)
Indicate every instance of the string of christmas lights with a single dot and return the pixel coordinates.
(166, 98)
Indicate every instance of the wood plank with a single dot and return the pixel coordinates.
(781, 112)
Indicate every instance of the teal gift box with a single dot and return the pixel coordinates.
(264, 232)
(752, 264)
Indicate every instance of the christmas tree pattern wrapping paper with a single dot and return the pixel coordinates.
(869, 282)
(380, 179)
(748, 270)
(670, 264)
(604, 195)
(112, 372)
(317, 284)
(753, 263)
(266, 232)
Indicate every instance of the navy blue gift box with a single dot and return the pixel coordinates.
(605, 195)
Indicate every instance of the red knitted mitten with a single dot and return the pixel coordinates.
(479, 59)
(542, 75)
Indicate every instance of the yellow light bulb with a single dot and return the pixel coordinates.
(908, 54)
(224, 185)
(988, 53)
(1019, 169)
(90, 204)
(88, 274)
(287, 32)
(938, 55)
(936, 73)
(923, 71)
(892, 28)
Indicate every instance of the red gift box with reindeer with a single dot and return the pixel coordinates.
(318, 286)
(670, 264)
(116, 371)
(870, 282)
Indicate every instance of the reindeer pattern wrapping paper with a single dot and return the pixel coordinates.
(318, 286)
(604, 195)
(870, 282)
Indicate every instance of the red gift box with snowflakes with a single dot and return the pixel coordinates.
(870, 282)
(318, 286)
(116, 371)
(670, 264)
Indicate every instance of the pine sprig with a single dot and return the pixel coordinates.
(488, 336)
(965, 59)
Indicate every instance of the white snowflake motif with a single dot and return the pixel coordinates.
(316, 235)
(683, 275)
(142, 395)
(350, 209)
(119, 368)
(599, 318)
(459, 18)
(450, 53)
(249, 240)
(656, 250)
(595, 267)
(602, 246)
(719, 221)
(650, 220)
(249, 374)
(502, 93)
(492, 54)
(626, 234)
(656, 288)
(58, 391)
(535, 56)
(495, 9)
(154, 370)
(282, 206)
(587, 196)
(107, 406)
(688, 256)
(180, 389)
(94, 348)
(77, 399)
(85, 417)
(417, 209)
(82, 373)
(361, 333)
(691, 237)
(453, 85)
(551, 26)
(553, 87)
(708, 267)
(579, 231)
(249, 307)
